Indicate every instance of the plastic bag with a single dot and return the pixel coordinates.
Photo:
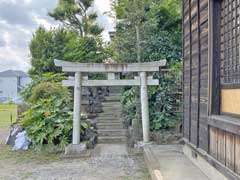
(21, 142)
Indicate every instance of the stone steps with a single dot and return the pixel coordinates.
(113, 107)
(112, 115)
(110, 123)
(109, 140)
(113, 98)
(111, 111)
(108, 120)
(109, 126)
(112, 132)
(112, 103)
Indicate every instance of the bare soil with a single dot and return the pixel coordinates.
(31, 165)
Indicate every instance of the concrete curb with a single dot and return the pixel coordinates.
(152, 166)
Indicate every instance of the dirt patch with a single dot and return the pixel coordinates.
(20, 165)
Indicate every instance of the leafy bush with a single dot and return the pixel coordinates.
(163, 101)
(130, 103)
(48, 119)
(27, 94)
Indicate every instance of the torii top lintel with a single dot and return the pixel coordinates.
(112, 67)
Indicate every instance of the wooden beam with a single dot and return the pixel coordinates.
(97, 83)
(116, 67)
(226, 123)
(214, 57)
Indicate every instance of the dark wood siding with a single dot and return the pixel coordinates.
(195, 31)
(205, 127)
(225, 146)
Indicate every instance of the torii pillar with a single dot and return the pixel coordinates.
(144, 107)
(77, 109)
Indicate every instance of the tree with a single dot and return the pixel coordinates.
(75, 14)
(85, 49)
(159, 24)
(132, 17)
(77, 40)
(160, 29)
(46, 46)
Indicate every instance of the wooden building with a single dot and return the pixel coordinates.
(211, 46)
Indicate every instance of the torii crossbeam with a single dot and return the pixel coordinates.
(79, 81)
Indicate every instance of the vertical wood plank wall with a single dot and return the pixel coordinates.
(195, 18)
(225, 147)
(201, 59)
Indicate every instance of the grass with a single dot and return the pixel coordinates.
(47, 154)
(7, 112)
(28, 156)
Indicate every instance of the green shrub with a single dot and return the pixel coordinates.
(164, 101)
(27, 94)
(48, 119)
(130, 103)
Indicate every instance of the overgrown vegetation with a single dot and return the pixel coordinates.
(164, 101)
(150, 30)
(48, 119)
(160, 30)
(77, 39)
(147, 30)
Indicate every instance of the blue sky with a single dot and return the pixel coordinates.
(19, 19)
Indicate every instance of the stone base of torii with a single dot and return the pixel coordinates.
(78, 81)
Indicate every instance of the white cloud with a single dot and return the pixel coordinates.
(19, 19)
(103, 8)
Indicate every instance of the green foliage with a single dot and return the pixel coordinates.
(164, 101)
(129, 103)
(48, 119)
(78, 40)
(62, 44)
(36, 79)
(83, 50)
(46, 46)
(160, 27)
(74, 14)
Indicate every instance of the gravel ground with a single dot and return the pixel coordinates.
(101, 167)
(105, 168)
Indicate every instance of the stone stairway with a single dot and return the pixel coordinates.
(109, 125)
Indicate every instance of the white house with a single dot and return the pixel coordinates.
(12, 82)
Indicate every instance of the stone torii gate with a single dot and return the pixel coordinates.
(111, 69)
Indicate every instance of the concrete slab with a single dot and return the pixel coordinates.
(110, 150)
(169, 163)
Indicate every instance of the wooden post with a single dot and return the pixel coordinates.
(144, 106)
(77, 109)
